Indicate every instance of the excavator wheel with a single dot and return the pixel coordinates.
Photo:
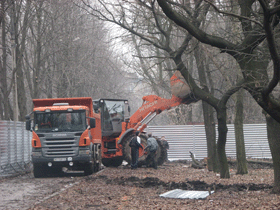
(127, 153)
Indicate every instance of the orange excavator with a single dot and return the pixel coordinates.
(80, 133)
(118, 131)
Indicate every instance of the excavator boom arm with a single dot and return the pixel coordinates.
(153, 105)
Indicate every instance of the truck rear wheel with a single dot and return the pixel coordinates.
(106, 162)
(127, 153)
(114, 162)
(117, 161)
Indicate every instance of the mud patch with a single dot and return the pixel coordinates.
(153, 182)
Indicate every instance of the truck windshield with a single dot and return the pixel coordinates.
(59, 121)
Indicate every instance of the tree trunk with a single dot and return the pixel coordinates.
(37, 66)
(221, 144)
(273, 133)
(7, 115)
(212, 161)
(20, 48)
(209, 122)
(239, 135)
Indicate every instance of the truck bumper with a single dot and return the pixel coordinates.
(62, 161)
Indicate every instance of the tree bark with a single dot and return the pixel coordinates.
(209, 122)
(20, 47)
(273, 133)
(239, 135)
(220, 106)
(7, 115)
(221, 144)
(37, 66)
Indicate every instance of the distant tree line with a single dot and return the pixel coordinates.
(53, 49)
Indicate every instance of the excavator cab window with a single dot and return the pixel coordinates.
(112, 116)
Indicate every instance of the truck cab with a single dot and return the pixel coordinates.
(63, 136)
(62, 119)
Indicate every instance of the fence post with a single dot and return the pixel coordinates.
(15, 140)
(23, 141)
(9, 143)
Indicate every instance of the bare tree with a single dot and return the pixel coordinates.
(5, 82)
(245, 53)
(175, 52)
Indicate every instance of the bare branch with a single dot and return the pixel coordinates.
(232, 14)
(272, 48)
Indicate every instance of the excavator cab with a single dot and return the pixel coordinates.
(113, 112)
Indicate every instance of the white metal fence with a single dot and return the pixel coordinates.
(185, 138)
(15, 147)
(15, 143)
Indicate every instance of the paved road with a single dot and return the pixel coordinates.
(25, 191)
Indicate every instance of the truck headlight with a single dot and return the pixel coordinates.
(84, 152)
(36, 154)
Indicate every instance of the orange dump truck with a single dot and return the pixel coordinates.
(66, 133)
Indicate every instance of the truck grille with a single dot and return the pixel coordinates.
(60, 147)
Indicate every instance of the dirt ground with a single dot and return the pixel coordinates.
(123, 188)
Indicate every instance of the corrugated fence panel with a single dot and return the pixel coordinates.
(256, 142)
(200, 144)
(230, 145)
(3, 143)
(15, 147)
(185, 138)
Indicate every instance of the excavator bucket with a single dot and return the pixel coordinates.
(179, 86)
(181, 89)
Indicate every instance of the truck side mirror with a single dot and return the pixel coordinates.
(92, 122)
(28, 125)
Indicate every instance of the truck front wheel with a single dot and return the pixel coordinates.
(39, 171)
(88, 169)
(113, 162)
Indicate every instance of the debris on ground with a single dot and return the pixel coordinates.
(123, 188)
